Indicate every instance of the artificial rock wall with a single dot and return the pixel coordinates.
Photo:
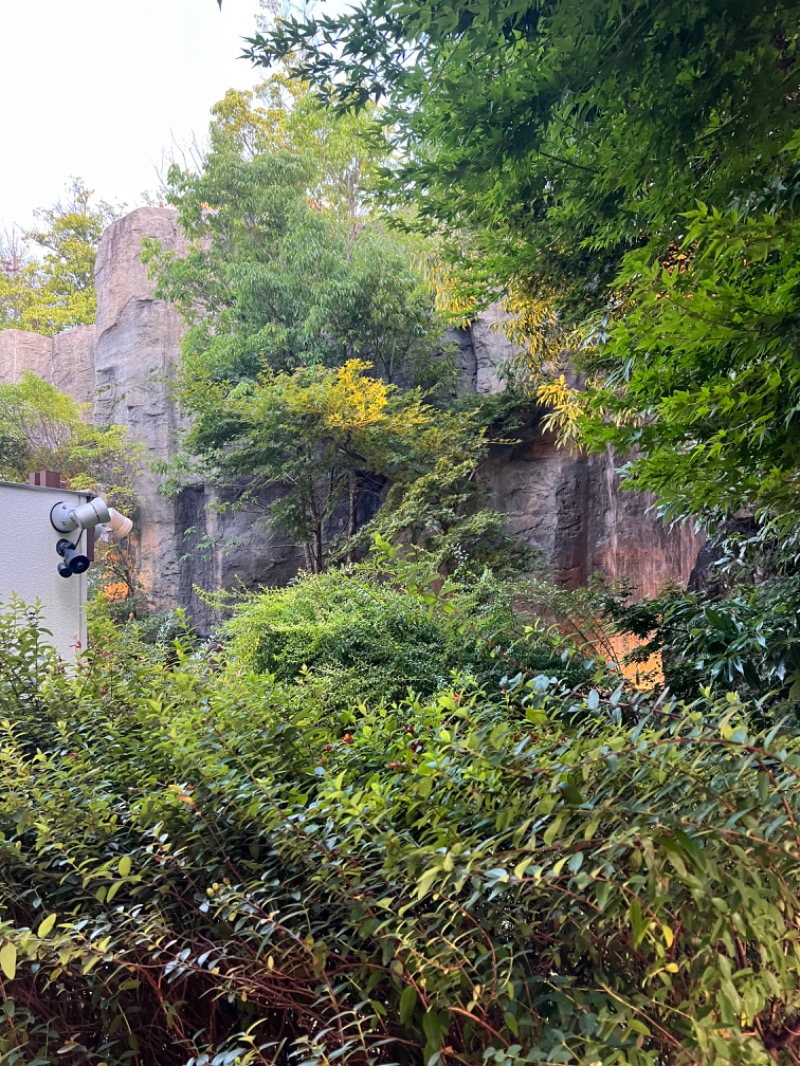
(569, 506)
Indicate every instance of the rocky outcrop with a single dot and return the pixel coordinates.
(72, 363)
(137, 339)
(66, 360)
(568, 506)
(24, 351)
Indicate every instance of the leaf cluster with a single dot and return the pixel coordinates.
(202, 865)
(54, 289)
(42, 428)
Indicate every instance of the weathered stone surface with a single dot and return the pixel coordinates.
(20, 350)
(492, 349)
(628, 538)
(72, 363)
(227, 548)
(136, 346)
(571, 507)
(67, 360)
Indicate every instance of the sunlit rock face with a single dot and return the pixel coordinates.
(567, 505)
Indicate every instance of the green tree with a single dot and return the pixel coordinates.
(344, 150)
(54, 289)
(571, 142)
(331, 439)
(562, 133)
(273, 279)
(42, 428)
(18, 280)
(699, 378)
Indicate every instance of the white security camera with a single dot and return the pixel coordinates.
(65, 518)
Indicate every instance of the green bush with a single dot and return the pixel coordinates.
(197, 867)
(747, 641)
(372, 640)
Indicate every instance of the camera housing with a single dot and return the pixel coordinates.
(118, 525)
(74, 561)
(65, 518)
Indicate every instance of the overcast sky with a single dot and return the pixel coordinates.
(99, 88)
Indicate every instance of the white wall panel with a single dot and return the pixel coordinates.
(28, 562)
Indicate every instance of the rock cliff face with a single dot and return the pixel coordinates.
(66, 360)
(569, 506)
(572, 507)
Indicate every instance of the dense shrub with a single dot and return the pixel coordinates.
(199, 867)
(371, 639)
(747, 641)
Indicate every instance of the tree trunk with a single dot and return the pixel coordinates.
(352, 513)
(318, 557)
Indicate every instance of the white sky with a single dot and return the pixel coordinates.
(99, 88)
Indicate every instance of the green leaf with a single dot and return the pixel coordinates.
(435, 1025)
(638, 924)
(408, 1003)
(427, 880)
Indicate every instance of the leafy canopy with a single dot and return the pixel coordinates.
(54, 289)
(632, 166)
(44, 429)
(291, 288)
(274, 279)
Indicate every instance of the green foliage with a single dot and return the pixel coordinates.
(273, 279)
(562, 133)
(329, 438)
(200, 866)
(288, 283)
(747, 642)
(344, 151)
(601, 159)
(44, 429)
(358, 636)
(704, 379)
(55, 291)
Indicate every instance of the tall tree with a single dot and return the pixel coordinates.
(53, 288)
(276, 279)
(572, 140)
(344, 151)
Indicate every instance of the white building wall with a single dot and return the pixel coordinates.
(28, 562)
